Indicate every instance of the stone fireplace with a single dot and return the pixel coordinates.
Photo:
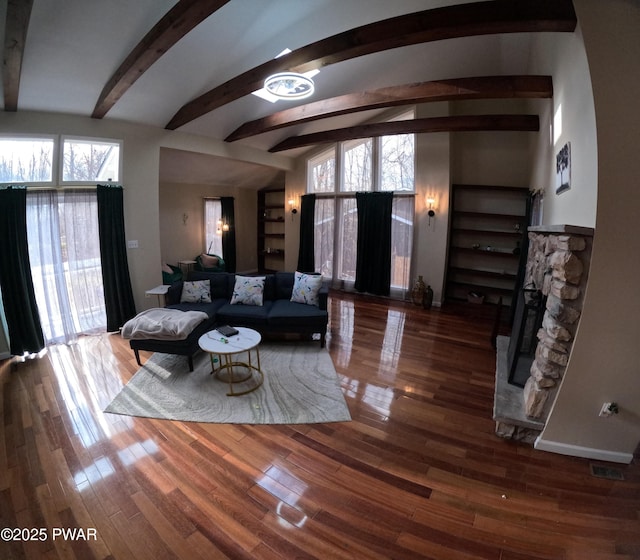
(558, 265)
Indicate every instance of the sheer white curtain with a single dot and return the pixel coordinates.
(212, 232)
(323, 239)
(401, 245)
(64, 250)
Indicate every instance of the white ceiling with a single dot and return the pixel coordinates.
(74, 46)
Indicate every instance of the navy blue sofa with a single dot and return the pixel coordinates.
(278, 314)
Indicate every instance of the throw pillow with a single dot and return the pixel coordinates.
(306, 288)
(248, 290)
(198, 291)
(208, 261)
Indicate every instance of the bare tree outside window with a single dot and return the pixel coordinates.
(26, 160)
(397, 163)
(356, 171)
(336, 215)
(347, 247)
(322, 171)
(90, 161)
(323, 240)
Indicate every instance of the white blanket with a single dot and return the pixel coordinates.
(162, 324)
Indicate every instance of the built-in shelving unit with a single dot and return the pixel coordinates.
(487, 231)
(271, 215)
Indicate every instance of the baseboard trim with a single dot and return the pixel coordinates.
(5, 355)
(586, 452)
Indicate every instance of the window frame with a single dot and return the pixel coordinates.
(54, 157)
(57, 159)
(338, 193)
(88, 139)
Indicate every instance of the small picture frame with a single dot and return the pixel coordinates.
(563, 169)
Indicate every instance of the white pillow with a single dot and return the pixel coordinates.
(196, 292)
(306, 288)
(248, 290)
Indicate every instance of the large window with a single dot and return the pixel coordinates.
(335, 175)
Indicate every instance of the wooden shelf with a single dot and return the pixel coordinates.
(483, 273)
(469, 214)
(488, 232)
(482, 215)
(481, 288)
(491, 254)
(271, 226)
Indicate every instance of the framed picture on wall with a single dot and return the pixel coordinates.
(563, 169)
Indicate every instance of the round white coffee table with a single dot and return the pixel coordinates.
(226, 348)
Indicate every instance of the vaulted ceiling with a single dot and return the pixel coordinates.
(192, 65)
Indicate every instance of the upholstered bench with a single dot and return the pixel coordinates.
(169, 331)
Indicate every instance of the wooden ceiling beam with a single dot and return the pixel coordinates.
(459, 123)
(461, 20)
(483, 87)
(172, 27)
(15, 36)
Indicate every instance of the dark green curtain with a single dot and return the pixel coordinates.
(306, 256)
(373, 261)
(118, 296)
(228, 237)
(18, 296)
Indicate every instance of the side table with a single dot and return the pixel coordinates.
(160, 291)
(186, 266)
(227, 349)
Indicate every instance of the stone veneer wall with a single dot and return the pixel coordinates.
(558, 265)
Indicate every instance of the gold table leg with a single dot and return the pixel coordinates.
(229, 365)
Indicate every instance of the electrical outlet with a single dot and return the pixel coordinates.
(132, 244)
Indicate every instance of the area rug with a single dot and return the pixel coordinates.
(300, 387)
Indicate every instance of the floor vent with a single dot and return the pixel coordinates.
(610, 473)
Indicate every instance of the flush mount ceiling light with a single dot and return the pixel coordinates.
(267, 95)
(289, 85)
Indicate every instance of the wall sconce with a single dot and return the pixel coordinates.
(431, 208)
(222, 227)
(292, 205)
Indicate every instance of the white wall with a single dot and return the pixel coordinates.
(604, 363)
(491, 158)
(433, 152)
(562, 56)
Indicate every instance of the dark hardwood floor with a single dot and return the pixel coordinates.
(418, 473)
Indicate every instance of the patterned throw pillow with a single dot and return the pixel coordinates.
(196, 292)
(248, 290)
(306, 288)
